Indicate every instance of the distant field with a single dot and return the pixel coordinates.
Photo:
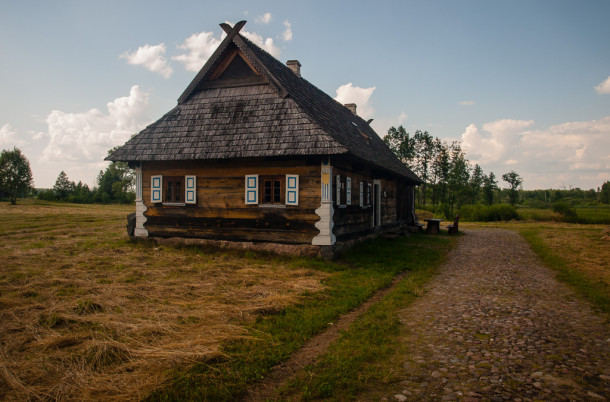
(586, 214)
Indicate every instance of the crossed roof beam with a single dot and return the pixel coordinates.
(232, 36)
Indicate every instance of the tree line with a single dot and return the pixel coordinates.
(113, 185)
(450, 181)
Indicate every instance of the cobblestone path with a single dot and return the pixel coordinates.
(496, 325)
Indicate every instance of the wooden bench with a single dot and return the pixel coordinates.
(453, 229)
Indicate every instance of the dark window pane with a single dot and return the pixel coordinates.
(276, 191)
(267, 191)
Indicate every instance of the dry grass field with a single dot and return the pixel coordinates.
(85, 313)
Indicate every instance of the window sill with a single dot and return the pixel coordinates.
(272, 205)
(174, 204)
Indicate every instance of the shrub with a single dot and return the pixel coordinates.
(565, 210)
(536, 203)
(444, 211)
(488, 213)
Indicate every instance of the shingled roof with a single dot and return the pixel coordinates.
(275, 112)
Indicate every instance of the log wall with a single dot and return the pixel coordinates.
(351, 221)
(221, 212)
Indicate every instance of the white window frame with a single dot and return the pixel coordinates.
(348, 191)
(338, 191)
(190, 189)
(292, 189)
(251, 189)
(156, 189)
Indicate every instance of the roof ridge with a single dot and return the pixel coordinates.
(211, 61)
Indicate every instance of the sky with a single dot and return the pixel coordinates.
(523, 85)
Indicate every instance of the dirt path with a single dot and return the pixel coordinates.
(496, 325)
(266, 389)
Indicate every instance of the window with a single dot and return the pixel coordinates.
(173, 189)
(338, 190)
(365, 194)
(277, 191)
(348, 191)
(272, 190)
(341, 190)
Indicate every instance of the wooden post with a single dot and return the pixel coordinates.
(325, 211)
(140, 231)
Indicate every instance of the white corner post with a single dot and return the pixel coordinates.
(140, 231)
(325, 211)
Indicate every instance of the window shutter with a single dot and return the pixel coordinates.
(348, 191)
(362, 194)
(252, 189)
(338, 190)
(190, 188)
(292, 189)
(156, 188)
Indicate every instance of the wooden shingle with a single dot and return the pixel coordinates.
(281, 114)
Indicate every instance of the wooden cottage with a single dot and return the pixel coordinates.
(255, 153)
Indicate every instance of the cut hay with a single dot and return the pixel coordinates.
(86, 314)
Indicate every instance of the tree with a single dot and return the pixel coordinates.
(605, 193)
(63, 186)
(15, 174)
(459, 175)
(514, 181)
(490, 185)
(116, 184)
(440, 172)
(424, 152)
(476, 181)
(401, 143)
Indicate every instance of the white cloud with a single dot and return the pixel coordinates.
(78, 142)
(572, 153)
(360, 96)
(263, 19)
(9, 138)
(199, 47)
(287, 34)
(466, 103)
(152, 58)
(604, 87)
(382, 124)
(265, 44)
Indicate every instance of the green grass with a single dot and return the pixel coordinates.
(368, 356)
(587, 214)
(594, 290)
(271, 339)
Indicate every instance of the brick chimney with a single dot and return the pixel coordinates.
(294, 66)
(351, 107)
